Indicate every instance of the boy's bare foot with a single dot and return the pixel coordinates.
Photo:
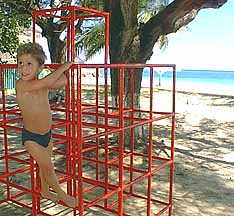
(69, 200)
(51, 196)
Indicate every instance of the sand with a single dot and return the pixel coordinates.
(204, 155)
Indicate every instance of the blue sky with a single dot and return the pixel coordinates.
(208, 44)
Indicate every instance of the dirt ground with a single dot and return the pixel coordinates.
(204, 160)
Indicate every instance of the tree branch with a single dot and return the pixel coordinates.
(179, 13)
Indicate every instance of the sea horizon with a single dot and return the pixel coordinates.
(219, 82)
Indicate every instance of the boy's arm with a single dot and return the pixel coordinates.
(48, 81)
(59, 83)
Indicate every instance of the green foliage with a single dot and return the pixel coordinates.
(11, 25)
(148, 9)
(90, 4)
(9, 30)
(92, 40)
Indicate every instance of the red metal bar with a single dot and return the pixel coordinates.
(5, 139)
(79, 146)
(106, 167)
(150, 149)
(73, 113)
(121, 140)
(68, 112)
(33, 180)
(104, 121)
(132, 137)
(75, 110)
(172, 143)
(96, 122)
(107, 29)
(138, 65)
(72, 35)
(33, 26)
(46, 12)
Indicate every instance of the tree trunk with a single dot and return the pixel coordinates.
(56, 46)
(131, 42)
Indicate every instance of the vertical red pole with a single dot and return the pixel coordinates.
(73, 131)
(72, 42)
(106, 166)
(121, 139)
(69, 21)
(172, 142)
(106, 170)
(74, 105)
(5, 140)
(68, 108)
(79, 143)
(33, 26)
(97, 129)
(107, 29)
(150, 149)
(132, 77)
(35, 200)
(106, 176)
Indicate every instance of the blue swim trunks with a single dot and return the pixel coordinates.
(42, 140)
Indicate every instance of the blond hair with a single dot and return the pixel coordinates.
(34, 49)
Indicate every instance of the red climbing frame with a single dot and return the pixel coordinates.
(101, 166)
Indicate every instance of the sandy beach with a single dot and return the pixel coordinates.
(204, 155)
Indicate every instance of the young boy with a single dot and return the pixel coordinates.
(32, 97)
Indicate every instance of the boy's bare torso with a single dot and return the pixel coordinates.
(35, 109)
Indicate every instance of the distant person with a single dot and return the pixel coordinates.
(32, 97)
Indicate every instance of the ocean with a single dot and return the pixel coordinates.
(197, 81)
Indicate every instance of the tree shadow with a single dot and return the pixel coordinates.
(204, 180)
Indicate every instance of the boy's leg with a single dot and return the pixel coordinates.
(45, 192)
(43, 158)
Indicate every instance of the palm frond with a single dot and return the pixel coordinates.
(92, 40)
